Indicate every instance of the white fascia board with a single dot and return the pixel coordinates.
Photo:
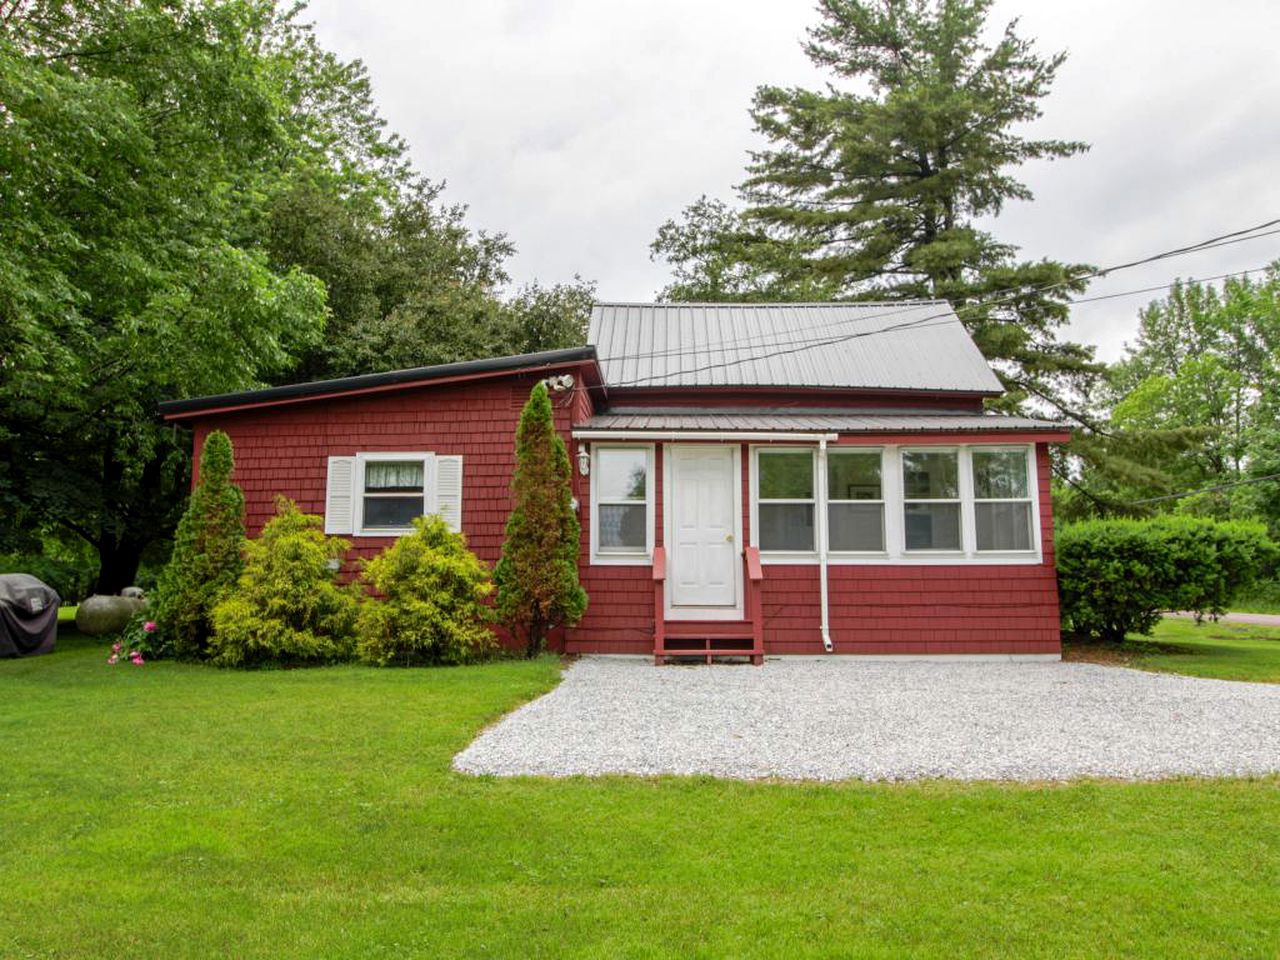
(756, 436)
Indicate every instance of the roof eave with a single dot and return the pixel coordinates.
(438, 375)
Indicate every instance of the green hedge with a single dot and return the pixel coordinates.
(1117, 576)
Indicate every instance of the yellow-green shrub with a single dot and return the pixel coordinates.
(430, 607)
(287, 608)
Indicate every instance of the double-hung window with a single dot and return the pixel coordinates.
(855, 501)
(1002, 500)
(394, 493)
(785, 502)
(622, 494)
(931, 500)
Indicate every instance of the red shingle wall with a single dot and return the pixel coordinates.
(906, 609)
(285, 449)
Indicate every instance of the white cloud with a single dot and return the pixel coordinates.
(577, 127)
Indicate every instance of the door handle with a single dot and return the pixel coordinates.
(729, 537)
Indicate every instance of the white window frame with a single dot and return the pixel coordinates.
(1031, 499)
(960, 499)
(782, 556)
(428, 461)
(616, 557)
(835, 450)
(891, 479)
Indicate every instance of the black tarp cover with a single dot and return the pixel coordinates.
(28, 616)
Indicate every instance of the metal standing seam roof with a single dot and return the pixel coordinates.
(918, 345)
(819, 422)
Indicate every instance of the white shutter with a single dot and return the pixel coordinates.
(449, 490)
(339, 498)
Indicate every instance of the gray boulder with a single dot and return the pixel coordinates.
(133, 592)
(99, 615)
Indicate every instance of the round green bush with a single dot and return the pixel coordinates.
(429, 606)
(287, 608)
(1118, 576)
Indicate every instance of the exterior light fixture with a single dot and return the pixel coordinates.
(584, 460)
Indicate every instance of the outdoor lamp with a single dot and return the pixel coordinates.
(584, 459)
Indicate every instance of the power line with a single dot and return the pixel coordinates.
(766, 339)
(932, 320)
(1193, 493)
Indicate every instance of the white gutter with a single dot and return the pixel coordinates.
(821, 526)
(678, 435)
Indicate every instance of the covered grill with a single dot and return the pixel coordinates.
(28, 616)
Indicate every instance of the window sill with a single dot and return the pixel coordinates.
(383, 533)
(622, 560)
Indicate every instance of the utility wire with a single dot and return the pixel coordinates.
(933, 320)
(766, 339)
(1193, 493)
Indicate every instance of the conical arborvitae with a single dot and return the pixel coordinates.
(537, 575)
(207, 556)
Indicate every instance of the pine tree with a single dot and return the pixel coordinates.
(537, 575)
(872, 188)
(206, 558)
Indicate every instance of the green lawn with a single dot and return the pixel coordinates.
(1223, 651)
(171, 811)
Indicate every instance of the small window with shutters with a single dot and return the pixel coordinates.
(380, 494)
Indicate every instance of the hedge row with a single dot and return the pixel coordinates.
(1117, 576)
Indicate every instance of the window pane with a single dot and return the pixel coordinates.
(786, 526)
(786, 475)
(622, 528)
(1003, 526)
(928, 475)
(391, 511)
(932, 526)
(621, 473)
(393, 476)
(856, 526)
(853, 476)
(999, 474)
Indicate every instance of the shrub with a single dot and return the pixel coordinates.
(432, 608)
(287, 608)
(537, 575)
(206, 557)
(1117, 576)
(71, 579)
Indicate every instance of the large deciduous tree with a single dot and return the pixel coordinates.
(195, 197)
(875, 188)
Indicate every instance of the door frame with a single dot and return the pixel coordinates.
(683, 612)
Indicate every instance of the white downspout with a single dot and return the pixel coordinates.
(822, 520)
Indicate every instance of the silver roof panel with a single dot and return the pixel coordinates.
(919, 345)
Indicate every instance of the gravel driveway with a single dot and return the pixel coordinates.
(844, 719)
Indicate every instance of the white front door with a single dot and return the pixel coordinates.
(703, 501)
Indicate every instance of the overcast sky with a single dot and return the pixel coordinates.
(578, 126)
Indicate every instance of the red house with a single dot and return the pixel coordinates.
(751, 479)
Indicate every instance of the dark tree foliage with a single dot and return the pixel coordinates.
(537, 574)
(873, 187)
(206, 558)
(196, 198)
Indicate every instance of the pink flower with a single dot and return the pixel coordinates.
(115, 648)
(138, 661)
(112, 659)
(149, 627)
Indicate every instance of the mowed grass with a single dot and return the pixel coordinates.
(174, 811)
(1221, 651)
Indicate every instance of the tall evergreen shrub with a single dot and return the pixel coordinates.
(537, 575)
(206, 556)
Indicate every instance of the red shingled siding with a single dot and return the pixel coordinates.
(874, 609)
(915, 609)
(286, 449)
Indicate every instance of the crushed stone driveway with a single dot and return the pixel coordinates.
(840, 719)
